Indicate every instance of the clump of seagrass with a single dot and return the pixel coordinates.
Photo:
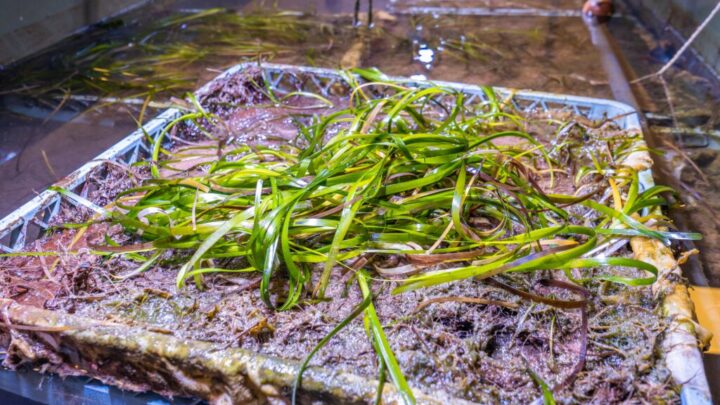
(417, 185)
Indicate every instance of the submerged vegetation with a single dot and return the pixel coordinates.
(160, 59)
(422, 186)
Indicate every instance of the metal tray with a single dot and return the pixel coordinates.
(683, 357)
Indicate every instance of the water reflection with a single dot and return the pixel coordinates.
(426, 56)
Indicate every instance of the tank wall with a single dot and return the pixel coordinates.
(28, 26)
(685, 16)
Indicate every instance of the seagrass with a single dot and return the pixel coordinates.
(660, 258)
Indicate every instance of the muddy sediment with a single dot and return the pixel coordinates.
(477, 352)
